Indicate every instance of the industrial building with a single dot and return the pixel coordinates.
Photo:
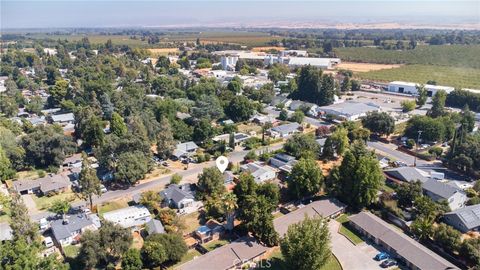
(411, 88)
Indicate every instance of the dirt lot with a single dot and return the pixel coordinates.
(364, 67)
(264, 49)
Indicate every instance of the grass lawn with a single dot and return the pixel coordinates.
(347, 231)
(71, 251)
(215, 244)
(44, 202)
(192, 221)
(33, 174)
(276, 262)
(113, 205)
(187, 257)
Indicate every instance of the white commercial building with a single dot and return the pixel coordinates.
(323, 63)
(349, 110)
(411, 88)
(229, 62)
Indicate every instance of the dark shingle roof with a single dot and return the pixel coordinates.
(177, 193)
(154, 226)
(62, 230)
(404, 246)
(440, 189)
(407, 174)
(469, 216)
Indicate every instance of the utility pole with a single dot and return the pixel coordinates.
(416, 149)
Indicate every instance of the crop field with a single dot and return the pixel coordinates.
(365, 67)
(449, 76)
(449, 55)
(241, 38)
(116, 39)
(162, 51)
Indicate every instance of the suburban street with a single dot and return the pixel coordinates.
(390, 150)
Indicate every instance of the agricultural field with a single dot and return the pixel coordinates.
(162, 51)
(241, 38)
(447, 55)
(116, 39)
(449, 76)
(365, 67)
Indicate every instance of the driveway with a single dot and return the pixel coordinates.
(30, 204)
(350, 256)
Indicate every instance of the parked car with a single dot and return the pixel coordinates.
(165, 164)
(381, 256)
(103, 189)
(388, 263)
(48, 242)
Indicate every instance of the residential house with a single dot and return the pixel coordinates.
(261, 119)
(68, 231)
(299, 105)
(74, 161)
(178, 196)
(413, 254)
(238, 138)
(52, 183)
(281, 100)
(285, 130)
(281, 159)
(210, 231)
(464, 219)
(260, 173)
(6, 232)
(231, 256)
(185, 149)
(63, 119)
(129, 217)
(439, 191)
(154, 226)
(406, 174)
(328, 208)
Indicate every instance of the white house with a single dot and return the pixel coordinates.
(260, 173)
(411, 88)
(129, 217)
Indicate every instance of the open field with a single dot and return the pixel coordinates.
(447, 55)
(365, 67)
(449, 76)
(113, 205)
(235, 37)
(162, 51)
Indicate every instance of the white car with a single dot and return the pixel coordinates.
(103, 189)
(48, 242)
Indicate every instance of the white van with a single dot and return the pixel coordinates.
(48, 242)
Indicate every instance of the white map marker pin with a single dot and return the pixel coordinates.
(222, 163)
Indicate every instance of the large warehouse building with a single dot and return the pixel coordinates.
(411, 88)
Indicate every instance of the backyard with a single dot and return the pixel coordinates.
(112, 205)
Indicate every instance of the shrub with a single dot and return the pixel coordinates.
(410, 143)
(176, 178)
(408, 105)
(437, 151)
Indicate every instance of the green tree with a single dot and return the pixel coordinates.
(210, 182)
(21, 225)
(165, 142)
(258, 219)
(346, 84)
(438, 104)
(422, 227)
(470, 249)
(379, 122)
(89, 181)
(425, 207)
(283, 116)
(6, 171)
(408, 193)
(239, 109)
(408, 105)
(117, 125)
(104, 246)
(132, 260)
(235, 85)
(151, 199)
(309, 240)
(297, 116)
(246, 186)
(301, 145)
(161, 248)
(422, 95)
(176, 179)
(305, 179)
(336, 144)
(58, 92)
(447, 237)
(358, 179)
(229, 206)
(60, 207)
(131, 167)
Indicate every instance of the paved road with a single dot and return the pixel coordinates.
(350, 256)
(390, 150)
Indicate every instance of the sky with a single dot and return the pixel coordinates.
(159, 13)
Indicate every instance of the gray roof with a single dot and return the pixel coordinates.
(410, 250)
(321, 141)
(287, 128)
(154, 226)
(284, 157)
(67, 117)
(176, 193)
(6, 232)
(440, 189)
(256, 170)
(325, 208)
(45, 184)
(227, 256)
(187, 146)
(469, 216)
(62, 230)
(350, 108)
(407, 174)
